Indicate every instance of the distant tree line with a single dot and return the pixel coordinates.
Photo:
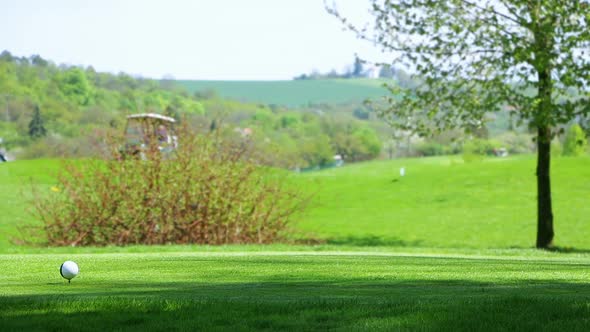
(49, 110)
(359, 69)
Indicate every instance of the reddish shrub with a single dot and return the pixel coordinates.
(207, 191)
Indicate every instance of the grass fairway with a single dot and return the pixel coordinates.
(441, 202)
(391, 261)
(16, 179)
(306, 290)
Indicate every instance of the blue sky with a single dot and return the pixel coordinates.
(199, 39)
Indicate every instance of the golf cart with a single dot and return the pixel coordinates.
(149, 131)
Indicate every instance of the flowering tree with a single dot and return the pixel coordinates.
(478, 56)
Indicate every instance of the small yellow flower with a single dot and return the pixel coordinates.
(54, 189)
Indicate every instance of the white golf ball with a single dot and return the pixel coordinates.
(69, 270)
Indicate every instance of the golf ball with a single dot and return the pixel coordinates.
(69, 270)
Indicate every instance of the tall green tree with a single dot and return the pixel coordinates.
(479, 56)
(36, 126)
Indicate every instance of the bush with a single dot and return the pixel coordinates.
(575, 143)
(471, 152)
(556, 148)
(205, 192)
(370, 144)
(475, 149)
(56, 146)
(517, 143)
(431, 149)
(481, 146)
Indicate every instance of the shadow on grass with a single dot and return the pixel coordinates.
(557, 249)
(356, 304)
(372, 241)
(568, 250)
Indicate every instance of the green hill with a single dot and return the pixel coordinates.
(441, 202)
(299, 93)
(292, 93)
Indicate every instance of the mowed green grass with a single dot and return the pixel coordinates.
(391, 261)
(441, 202)
(298, 291)
(17, 179)
(293, 93)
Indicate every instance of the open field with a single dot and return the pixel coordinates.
(409, 253)
(270, 290)
(441, 202)
(292, 93)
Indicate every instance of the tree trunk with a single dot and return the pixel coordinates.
(544, 209)
(543, 28)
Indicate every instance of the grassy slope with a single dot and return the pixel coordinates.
(440, 203)
(293, 93)
(297, 291)
(15, 193)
